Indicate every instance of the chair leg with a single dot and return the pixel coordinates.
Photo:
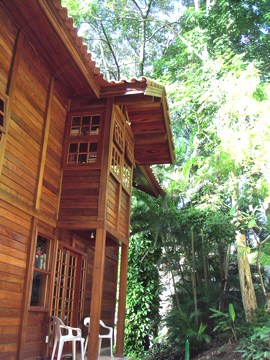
(54, 348)
(82, 349)
(99, 348)
(74, 350)
(60, 349)
(85, 346)
(111, 347)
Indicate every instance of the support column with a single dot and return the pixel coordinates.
(97, 290)
(122, 301)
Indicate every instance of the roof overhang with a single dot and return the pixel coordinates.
(147, 108)
(145, 180)
(46, 24)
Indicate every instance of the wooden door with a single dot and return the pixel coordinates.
(69, 286)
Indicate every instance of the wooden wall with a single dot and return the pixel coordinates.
(30, 181)
(79, 198)
(15, 230)
(110, 284)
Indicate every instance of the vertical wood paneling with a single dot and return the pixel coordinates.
(112, 202)
(52, 170)
(124, 214)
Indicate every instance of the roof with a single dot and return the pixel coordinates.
(49, 28)
(145, 180)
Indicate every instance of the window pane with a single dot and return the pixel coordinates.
(42, 250)
(83, 147)
(38, 289)
(93, 147)
(95, 120)
(76, 120)
(82, 158)
(86, 120)
(2, 106)
(85, 130)
(73, 148)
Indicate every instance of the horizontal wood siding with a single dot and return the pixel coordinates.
(15, 229)
(52, 171)
(7, 39)
(37, 328)
(124, 214)
(79, 196)
(112, 202)
(22, 155)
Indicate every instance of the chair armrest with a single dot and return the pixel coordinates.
(71, 330)
(107, 327)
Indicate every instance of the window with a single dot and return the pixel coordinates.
(82, 152)
(83, 139)
(118, 133)
(41, 272)
(3, 111)
(116, 161)
(85, 125)
(127, 172)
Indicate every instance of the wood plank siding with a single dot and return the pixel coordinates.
(69, 141)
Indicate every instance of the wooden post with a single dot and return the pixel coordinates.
(96, 298)
(122, 301)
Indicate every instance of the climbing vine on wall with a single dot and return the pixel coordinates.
(142, 313)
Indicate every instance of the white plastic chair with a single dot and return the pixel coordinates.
(63, 334)
(109, 335)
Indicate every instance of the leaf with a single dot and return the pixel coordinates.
(252, 223)
(232, 312)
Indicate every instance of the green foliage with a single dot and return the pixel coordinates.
(256, 346)
(162, 352)
(214, 63)
(142, 296)
(225, 321)
(181, 326)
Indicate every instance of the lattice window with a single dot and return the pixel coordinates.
(116, 161)
(129, 150)
(85, 125)
(82, 152)
(127, 177)
(118, 133)
(83, 142)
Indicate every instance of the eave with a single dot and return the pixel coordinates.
(52, 34)
(147, 108)
(145, 180)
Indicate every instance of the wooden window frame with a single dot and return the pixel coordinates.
(3, 113)
(41, 273)
(83, 138)
(119, 133)
(116, 162)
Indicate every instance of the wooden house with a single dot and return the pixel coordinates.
(69, 141)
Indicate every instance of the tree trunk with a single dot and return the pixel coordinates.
(246, 284)
(193, 279)
(224, 279)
